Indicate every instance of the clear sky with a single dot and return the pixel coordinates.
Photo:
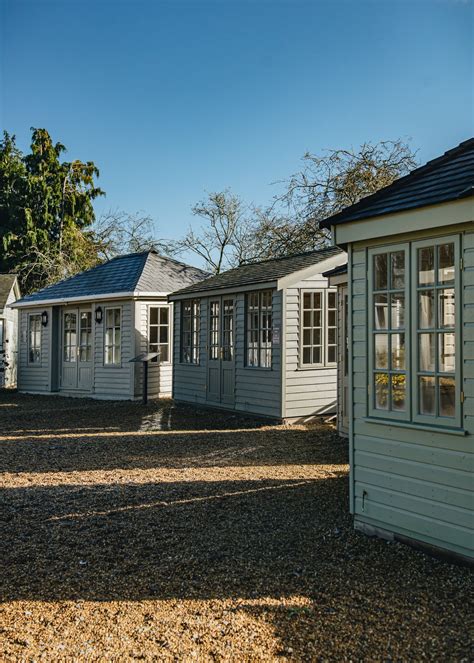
(171, 99)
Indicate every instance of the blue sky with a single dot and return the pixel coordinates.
(171, 99)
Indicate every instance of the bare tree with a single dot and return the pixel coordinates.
(217, 240)
(118, 232)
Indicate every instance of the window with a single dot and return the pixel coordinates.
(318, 328)
(259, 329)
(413, 321)
(389, 370)
(435, 320)
(159, 332)
(70, 338)
(34, 339)
(190, 327)
(113, 336)
(85, 336)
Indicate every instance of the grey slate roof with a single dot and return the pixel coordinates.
(6, 284)
(135, 272)
(260, 272)
(449, 177)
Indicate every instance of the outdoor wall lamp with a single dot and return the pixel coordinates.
(44, 318)
(98, 314)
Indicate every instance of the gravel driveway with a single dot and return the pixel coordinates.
(173, 533)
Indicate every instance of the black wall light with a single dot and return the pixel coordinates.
(44, 318)
(98, 314)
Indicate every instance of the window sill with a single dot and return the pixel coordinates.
(316, 367)
(258, 368)
(414, 426)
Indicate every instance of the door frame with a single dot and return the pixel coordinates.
(220, 365)
(80, 308)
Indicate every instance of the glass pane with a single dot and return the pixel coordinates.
(446, 263)
(447, 398)
(306, 355)
(426, 309)
(381, 391)
(153, 315)
(153, 334)
(397, 307)
(446, 309)
(380, 312)
(317, 337)
(427, 352)
(307, 337)
(317, 300)
(427, 395)
(332, 354)
(381, 350)
(317, 355)
(317, 318)
(163, 334)
(398, 351)
(426, 266)
(398, 392)
(163, 353)
(332, 335)
(117, 317)
(307, 319)
(164, 315)
(380, 271)
(447, 353)
(331, 318)
(332, 299)
(397, 260)
(109, 317)
(307, 300)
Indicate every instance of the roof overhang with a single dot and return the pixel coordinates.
(64, 301)
(437, 216)
(312, 270)
(221, 291)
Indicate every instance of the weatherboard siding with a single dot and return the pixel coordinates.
(34, 378)
(257, 390)
(189, 380)
(308, 391)
(160, 375)
(413, 482)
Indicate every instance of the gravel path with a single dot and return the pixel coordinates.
(171, 533)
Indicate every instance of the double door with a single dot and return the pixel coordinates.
(76, 349)
(221, 351)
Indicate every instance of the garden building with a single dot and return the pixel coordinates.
(77, 337)
(411, 354)
(9, 293)
(260, 338)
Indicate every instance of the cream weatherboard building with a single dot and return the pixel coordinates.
(411, 354)
(9, 293)
(261, 338)
(77, 337)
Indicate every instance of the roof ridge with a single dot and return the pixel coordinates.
(290, 255)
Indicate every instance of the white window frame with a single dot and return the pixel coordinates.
(262, 346)
(115, 363)
(159, 325)
(28, 340)
(324, 363)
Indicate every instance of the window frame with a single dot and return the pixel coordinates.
(194, 331)
(113, 364)
(405, 415)
(324, 363)
(158, 325)
(260, 329)
(28, 346)
(417, 417)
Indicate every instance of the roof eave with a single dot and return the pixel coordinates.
(210, 292)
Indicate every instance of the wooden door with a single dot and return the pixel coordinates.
(76, 349)
(85, 350)
(221, 351)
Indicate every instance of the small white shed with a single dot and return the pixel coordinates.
(77, 337)
(261, 338)
(9, 293)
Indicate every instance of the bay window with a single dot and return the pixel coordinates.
(413, 321)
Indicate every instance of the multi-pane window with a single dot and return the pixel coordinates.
(413, 324)
(70, 337)
(436, 320)
(318, 327)
(389, 333)
(221, 329)
(34, 339)
(190, 316)
(85, 336)
(113, 336)
(159, 332)
(214, 330)
(259, 329)
(228, 329)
